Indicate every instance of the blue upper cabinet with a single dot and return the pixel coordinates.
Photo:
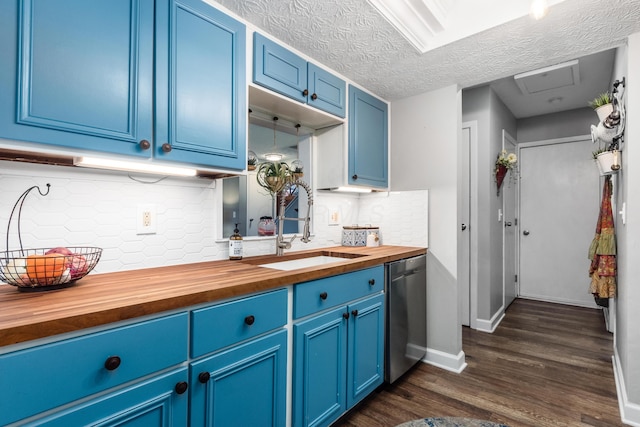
(163, 79)
(282, 71)
(368, 140)
(82, 76)
(200, 108)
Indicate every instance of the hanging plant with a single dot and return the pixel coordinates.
(273, 176)
(505, 163)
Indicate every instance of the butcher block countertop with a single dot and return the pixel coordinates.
(99, 299)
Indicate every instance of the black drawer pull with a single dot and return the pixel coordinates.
(372, 282)
(249, 320)
(345, 315)
(323, 296)
(204, 377)
(354, 313)
(354, 177)
(181, 387)
(166, 147)
(145, 145)
(314, 96)
(112, 363)
(305, 92)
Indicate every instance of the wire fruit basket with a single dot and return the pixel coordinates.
(45, 268)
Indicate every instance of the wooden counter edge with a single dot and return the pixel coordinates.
(27, 327)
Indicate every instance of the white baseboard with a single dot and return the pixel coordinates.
(490, 325)
(450, 362)
(629, 412)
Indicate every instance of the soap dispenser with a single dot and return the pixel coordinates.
(235, 245)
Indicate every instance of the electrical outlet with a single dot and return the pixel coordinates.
(334, 217)
(146, 220)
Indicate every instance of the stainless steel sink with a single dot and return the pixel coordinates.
(295, 264)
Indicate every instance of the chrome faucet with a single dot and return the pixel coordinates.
(281, 244)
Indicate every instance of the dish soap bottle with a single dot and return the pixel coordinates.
(235, 245)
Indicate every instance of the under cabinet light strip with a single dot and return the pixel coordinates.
(102, 163)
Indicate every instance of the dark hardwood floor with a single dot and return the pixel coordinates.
(545, 365)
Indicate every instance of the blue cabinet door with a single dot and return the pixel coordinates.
(242, 386)
(279, 69)
(200, 105)
(326, 91)
(156, 402)
(282, 71)
(365, 364)
(320, 369)
(77, 74)
(368, 139)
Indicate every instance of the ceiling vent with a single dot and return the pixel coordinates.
(547, 78)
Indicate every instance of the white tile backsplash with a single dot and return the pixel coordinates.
(98, 208)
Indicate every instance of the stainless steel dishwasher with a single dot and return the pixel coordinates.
(406, 319)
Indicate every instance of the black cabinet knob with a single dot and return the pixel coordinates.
(204, 377)
(354, 313)
(323, 296)
(181, 387)
(345, 315)
(354, 177)
(372, 282)
(166, 147)
(145, 145)
(314, 96)
(112, 363)
(249, 320)
(305, 92)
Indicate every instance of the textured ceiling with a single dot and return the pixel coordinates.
(350, 37)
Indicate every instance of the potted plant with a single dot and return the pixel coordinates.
(608, 160)
(603, 105)
(273, 176)
(505, 162)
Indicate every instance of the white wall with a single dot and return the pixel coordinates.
(483, 106)
(627, 337)
(425, 130)
(98, 208)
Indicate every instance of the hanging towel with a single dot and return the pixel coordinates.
(602, 251)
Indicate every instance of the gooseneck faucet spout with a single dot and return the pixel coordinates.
(281, 244)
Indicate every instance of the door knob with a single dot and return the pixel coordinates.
(463, 227)
(507, 224)
(525, 232)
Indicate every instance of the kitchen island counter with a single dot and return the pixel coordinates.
(100, 299)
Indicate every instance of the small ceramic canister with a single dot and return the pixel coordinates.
(356, 235)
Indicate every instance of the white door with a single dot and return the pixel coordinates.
(463, 230)
(559, 204)
(509, 236)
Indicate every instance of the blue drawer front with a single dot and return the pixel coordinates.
(307, 297)
(47, 376)
(221, 325)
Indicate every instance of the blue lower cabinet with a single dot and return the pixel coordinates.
(366, 348)
(244, 385)
(161, 401)
(338, 360)
(320, 369)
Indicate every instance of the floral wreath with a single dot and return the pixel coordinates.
(505, 162)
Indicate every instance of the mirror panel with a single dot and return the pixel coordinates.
(244, 200)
